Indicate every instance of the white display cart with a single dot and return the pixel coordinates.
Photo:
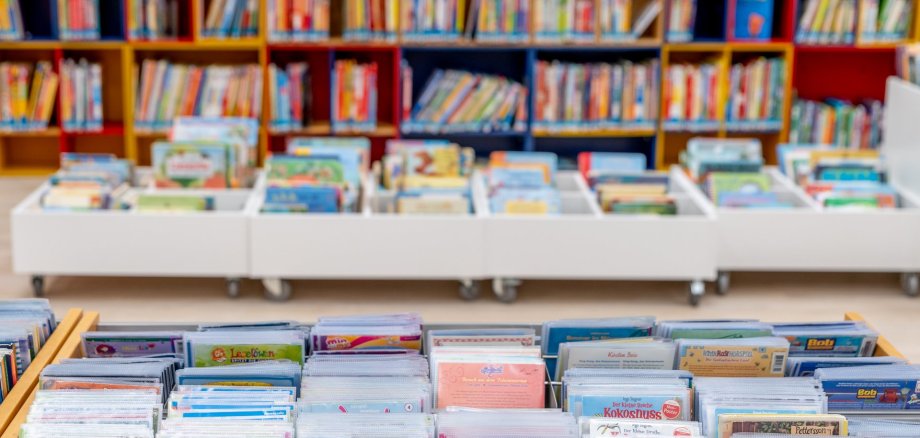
(131, 243)
(372, 243)
(585, 243)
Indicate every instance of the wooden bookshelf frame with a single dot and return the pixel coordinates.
(36, 153)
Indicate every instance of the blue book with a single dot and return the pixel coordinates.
(753, 19)
(302, 199)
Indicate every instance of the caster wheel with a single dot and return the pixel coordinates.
(505, 289)
(233, 287)
(38, 286)
(470, 290)
(697, 289)
(723, 282)
(277, 289)
(911, 284)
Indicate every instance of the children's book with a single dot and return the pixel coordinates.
(192, 164)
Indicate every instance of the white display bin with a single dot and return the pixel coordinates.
(131, 243)
(585, 243)
(370, 244)
(810, 238)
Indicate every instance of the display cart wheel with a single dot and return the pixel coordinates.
(277, 289)
(506, 289)
(233, 287)
(469, 289)
(723, 283)
(38, 286)
(697, 289)
(910, 281)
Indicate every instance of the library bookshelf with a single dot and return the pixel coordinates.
(854, 72)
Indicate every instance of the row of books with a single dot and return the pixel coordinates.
(565, 20)
(691, 96)
(837, 122)
(499, 20)
(153, 19)
(290, 93)
(827, 22)
(78, 19)
(460, 101)
(371, 20)
(886, 20)
(11, 26)
(839, 177)
(432, 20)
(81, 95)
(25, 326)
(166, 91)
(584, 97)
(681, 20)
(231, 19)
(523, 183)
(755, 95)
(622, 185)
(354, 105)
(298, 20)
(27, 97)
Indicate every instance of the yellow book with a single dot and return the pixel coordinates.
(5, 16)
(524, 207)
(22, 91)
(461, 7)
(34, 93)
(47, 96)
(842, 154)
(632, 189)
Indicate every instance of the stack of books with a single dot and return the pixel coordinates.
(432, 20)
(837, 122)
(623, 186)
(25, 326)
(619, 21)
(298, 20)
(564, 20)
(459, 101)
(291, 96)
(24, 107)
(524, 183)
(499, 20)
(755, 95)
(886, 20)
(166, 91)
(827, 22)
(371, 20)
(691, 97)
(81, 95)
(153, 19)
(78, 19)
(428, 177)
(354, 91)
(839, 177)
(88, 182)
(681, 20)
(596, 97)
(11, 27)
(231, 19)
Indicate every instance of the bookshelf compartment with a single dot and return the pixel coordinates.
(844, 74)
(179, 30)
(113, 74)
(29, 152)
(206, 33)
(103, 144)
(112, 26)
(319, 62)
(782, 21)
(37, 19)
(387, 85)
(709, 21)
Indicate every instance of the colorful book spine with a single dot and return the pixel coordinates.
(166, 91)
(499, 20)
(354, 97)
(153, 19)
(596, 97)
(25, 107)
(231, 19)
(81, 95)
(78, 20)
(564, 20)
(458, 101)
(616, 20)
(432, 20)
(367, 20)
(827, 22)
(755, 98)
(298, 20)
(11, 26)
(681, 20)
(885, 21)
(290, 96)
(837, 122)
(691, 97)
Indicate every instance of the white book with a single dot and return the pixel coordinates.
(96, 80)
(80, 93)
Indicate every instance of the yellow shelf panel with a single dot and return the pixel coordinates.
(29, 45)
(778, 47)
(695, 47)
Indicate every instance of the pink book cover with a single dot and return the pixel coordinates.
(491, 385)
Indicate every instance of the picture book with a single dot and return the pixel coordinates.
(192, 164)
(302, 199)
(808, 425)
(754, 19)
(744, 357)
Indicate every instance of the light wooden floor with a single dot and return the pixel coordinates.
(770, 297)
